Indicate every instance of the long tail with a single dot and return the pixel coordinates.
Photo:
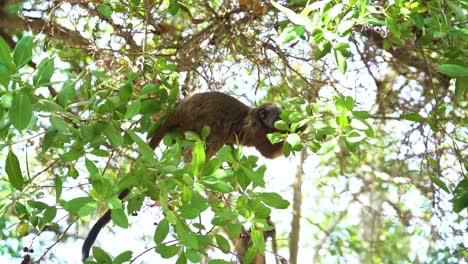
(89, 241)
(92, 235)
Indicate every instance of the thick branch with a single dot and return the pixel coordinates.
(37, 25)
(297, 202)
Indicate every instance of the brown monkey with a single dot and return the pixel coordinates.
(231, 122)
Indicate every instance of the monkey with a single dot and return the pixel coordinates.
(231, 122)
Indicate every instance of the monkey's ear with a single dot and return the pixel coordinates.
(262, 114)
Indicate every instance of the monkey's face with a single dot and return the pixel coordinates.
(268, 114)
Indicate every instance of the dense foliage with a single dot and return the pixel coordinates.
(381, 87)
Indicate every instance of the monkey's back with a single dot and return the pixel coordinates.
(219, 111)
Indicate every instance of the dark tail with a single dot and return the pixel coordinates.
(92, 235)
(89, 241)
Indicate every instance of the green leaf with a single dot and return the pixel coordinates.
(291, 33)
(58, 184)
(198, 157)
(340, 60)
(323, 49)
(59, 124)
(361, 114)
(437, 181)
(75, 204)
(187, 195)
(67, 94)
(224, 218)
(48, 106)
(418, 20)
(415, 117)
(125, 92)
(345, 26)
(275, 137)
(340, 103)
(223, 244)
(119, 217)
(114, 203)
(20, 209)
(114, 136)
(123, 257)
(453, 70)
(258, 240)
(297, 19)
(274, 200)
(250, 255)
(342, 121)
(167, 251)
(212, 166)
(13, 170)
(219, 261)
(143, 148)
(225, 154)
(49, 214)
(363, 125)
(352, 146)
(295, 141)
(458, 10)
(101, 256)
(72, 155)
(182, 259)
(188, 212)
(23, 51)
(203, 240)
(149, 88)
(234, 229)
(186, 236)
(173, 7)
(355, 136)
(45, 70)
(20, 113)
(206, 130)
(349, 103)
(393, 27)
(255, 177)
(219, 186)
(334, 12)
(461, 88)
(162, 230)
(5, 55)
(87, 209)
(133, 109)
(281, 125)
(105, 10)
(4, 76)
(100, 153)
(199, 202)
(296, 117)
(92, 169)
(38, 205)
(460, 202)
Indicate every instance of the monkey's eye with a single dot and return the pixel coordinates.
(262, 113)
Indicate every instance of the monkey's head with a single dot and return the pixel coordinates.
(268, 114)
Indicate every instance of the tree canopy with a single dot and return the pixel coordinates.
(374, 130)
